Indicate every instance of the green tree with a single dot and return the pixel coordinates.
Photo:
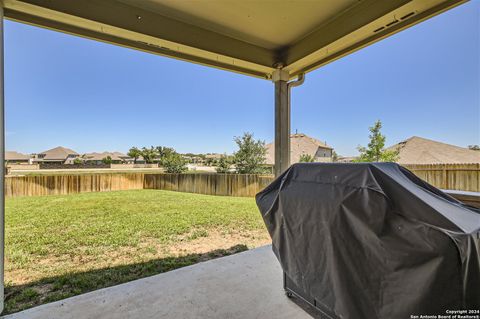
(107, 160)
(149, 154)
(164, 152)
(223, 166)
(174, 163)
(375, 151)
(209, 161)
(134, 153)
(250, 155)
(77, 161)
(306, 158)
(334, 156)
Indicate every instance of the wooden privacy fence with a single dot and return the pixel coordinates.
(209, 184)
(464, 177)
(70, 184)
(246, 185)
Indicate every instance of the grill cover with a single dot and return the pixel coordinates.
(372, 240)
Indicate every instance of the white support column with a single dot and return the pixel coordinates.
(2, 162)
(282, 122)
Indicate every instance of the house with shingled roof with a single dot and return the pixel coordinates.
(57, 155)
(97, 158)
(419, 150)
(13, 157)
(302, 144)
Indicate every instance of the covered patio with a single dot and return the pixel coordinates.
(245, 285)
(279, 41)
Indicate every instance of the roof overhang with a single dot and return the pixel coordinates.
(249, 37)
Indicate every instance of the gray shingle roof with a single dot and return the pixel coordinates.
(299, 144)
(116, 156)
(15, 156)
(58, 153)
(418, 150)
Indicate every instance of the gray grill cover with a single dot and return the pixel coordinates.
(372, 240)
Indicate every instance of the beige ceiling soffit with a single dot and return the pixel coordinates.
(373, 32)
(341, 25)
(55, 20)
(361, 25)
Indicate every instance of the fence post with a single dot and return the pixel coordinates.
(445, 178)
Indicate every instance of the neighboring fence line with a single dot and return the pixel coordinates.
(456, 177)
(209, 184)
(70, 184)
(245, 185)
(23, 166)
(128, 166)
(465, 177)
(54, 166)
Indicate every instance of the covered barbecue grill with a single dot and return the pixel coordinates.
(372, 240)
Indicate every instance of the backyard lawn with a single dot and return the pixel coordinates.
(60, 246)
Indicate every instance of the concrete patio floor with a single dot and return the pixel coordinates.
(245, 285)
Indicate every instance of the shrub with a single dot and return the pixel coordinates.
(306, 158)
(174, 163)
(107, 160)
(223, 166)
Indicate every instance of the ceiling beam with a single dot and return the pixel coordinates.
(298, 64)
(347, 22)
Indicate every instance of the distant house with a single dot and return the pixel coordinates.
(57, 155)
(193, 159)
(418, 150)
(347, 159)
(213, 156)
(97, 158)
(13, 157)
(131, 160)
(301, 144)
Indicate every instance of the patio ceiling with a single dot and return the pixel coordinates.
(252, 37)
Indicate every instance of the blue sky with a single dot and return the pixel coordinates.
(91, 96)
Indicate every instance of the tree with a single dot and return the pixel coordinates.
(209, 161)
(223, 166)
(77, 161)
(107, 160)
(474, 147)
(306, 158)
(163, 152)
(149, 154)
(134, 153)
(250, 155)
(174, 163)
(375, 151)
(334, 156)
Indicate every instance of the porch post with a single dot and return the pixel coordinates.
(282, 122)
(2, 162)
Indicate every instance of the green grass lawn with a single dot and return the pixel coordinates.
(60, 246)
